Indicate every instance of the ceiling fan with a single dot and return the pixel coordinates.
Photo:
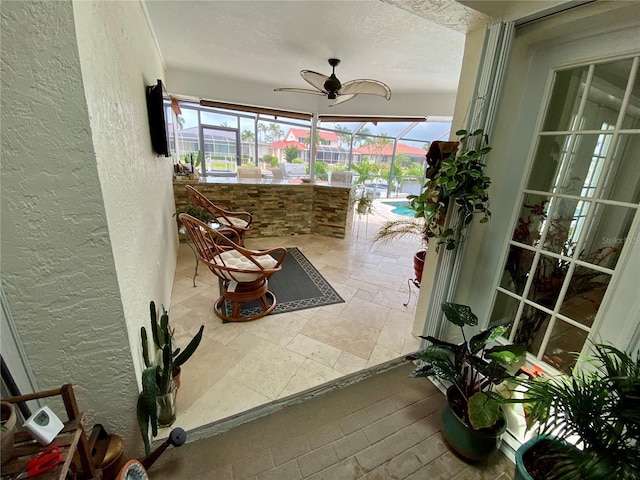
(334, 90)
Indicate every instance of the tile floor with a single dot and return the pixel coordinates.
(239, 366)
(384, 427)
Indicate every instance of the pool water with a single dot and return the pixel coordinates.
(400, 208)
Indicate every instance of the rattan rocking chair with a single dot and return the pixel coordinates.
(244, 273)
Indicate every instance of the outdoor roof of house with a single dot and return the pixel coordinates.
(388, 150)
(282, 144)
(302, 133)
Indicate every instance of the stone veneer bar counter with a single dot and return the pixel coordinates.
(279, 207)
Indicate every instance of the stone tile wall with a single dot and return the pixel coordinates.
(280, 210)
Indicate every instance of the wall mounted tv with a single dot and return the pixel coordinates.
(157, 125)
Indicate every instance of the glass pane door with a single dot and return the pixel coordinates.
(575, 212)
(221, 150)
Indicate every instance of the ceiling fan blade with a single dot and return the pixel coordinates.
(342, 99)
(298, 90)
(371, 87)
(315, 79)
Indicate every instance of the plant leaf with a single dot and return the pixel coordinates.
(478, 341)
(189, 349)
(438, 359)
(149, 393)
(459, 315)
(483, 411)
(507, 354)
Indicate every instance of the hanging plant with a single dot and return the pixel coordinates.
(455, 180)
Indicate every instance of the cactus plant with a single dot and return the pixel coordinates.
(157, 378)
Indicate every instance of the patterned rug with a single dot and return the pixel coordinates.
(296, 287)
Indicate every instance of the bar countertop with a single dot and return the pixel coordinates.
(262, 181)
(280, 207)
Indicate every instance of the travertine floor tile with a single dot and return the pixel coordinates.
(344, 337)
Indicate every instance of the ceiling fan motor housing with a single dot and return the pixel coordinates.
(332, 85)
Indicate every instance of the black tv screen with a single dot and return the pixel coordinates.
(157, 125)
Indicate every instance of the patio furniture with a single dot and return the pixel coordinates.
(277, 172)
(238, 221)
(249, 173)
(243, 273)
(294, 170)
(342, 177)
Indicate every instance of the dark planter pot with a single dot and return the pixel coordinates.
(9, 419)
(521, 472)
(418, 264)
(474, 445)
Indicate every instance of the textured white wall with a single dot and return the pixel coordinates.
(87, 236)
(119, 59)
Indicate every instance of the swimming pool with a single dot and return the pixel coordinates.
(400, 208)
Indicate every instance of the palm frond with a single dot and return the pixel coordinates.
(408, 227)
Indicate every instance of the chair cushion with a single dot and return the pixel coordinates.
(234, 259)
(235, 222)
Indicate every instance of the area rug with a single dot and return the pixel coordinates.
(296, 287)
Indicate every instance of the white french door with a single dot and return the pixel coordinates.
(571, 264)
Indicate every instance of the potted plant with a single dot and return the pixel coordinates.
(156, 402)
(454, 178)
(472, 419)
(364, 202)
(589, 422)
(7, 430)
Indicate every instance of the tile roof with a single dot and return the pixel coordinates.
(302, 133)
(388, 150)
(282, 144)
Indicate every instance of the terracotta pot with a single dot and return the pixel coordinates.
(6, 436)
(418, 264)
(176, 376)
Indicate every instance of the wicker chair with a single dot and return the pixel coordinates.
(239, 221)
(244, 273)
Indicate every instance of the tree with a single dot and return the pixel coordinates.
(377, 147)
(402, 159)
(248, 138)
(415, 169)
(344, 133)
(273, 133)
(360, 138)
(320, 170)
(307, 140)
(290, 153)
(263, 128)
(365, 170)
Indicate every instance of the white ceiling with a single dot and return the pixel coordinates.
(414, 46)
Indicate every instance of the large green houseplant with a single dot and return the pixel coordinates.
(597, 411)
(156, 402)
(457, 178)
(472, 419)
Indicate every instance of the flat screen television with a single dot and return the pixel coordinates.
(157, 125)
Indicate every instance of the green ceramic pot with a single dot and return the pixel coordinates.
(521, 472)
(474, 445)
